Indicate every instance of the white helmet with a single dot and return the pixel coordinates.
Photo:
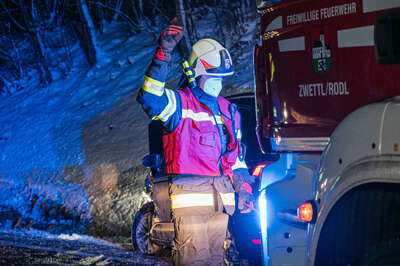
(210, 58)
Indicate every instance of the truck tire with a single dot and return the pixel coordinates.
(385, 253)
(141, 230)
(360, 224)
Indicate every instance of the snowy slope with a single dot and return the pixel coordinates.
(55, 149)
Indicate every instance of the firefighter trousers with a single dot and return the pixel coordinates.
(200, 208)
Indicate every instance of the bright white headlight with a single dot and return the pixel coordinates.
(263, 212)
(262, 204)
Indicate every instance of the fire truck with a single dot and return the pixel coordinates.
(328, 103)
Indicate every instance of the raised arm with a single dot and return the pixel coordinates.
(158, 102)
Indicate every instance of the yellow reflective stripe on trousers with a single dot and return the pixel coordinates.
(192, 200)
(169, 109)
(228, 199)
(200, 116)
(153, 86)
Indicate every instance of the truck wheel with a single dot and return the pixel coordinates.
(141, 230)
(386, 253)
(362, 228)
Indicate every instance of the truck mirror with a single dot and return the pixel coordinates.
(387, 38)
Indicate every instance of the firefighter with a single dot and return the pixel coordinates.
(201, 147)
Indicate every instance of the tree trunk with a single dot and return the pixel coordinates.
(33, 22)
(89, 32)
(181, 14)
(118, 6)
(51, 5)
(137, 15)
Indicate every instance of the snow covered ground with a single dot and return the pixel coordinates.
(62, 152)
(38, 248)
(70, 154)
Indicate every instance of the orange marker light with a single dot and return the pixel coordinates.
(305, 212)
(257, 171)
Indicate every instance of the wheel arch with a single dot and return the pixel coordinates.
(366, 175)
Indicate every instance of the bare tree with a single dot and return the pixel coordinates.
(98, 14)
(137, 12)
(118, 6)
(122, 14)
(33, 21)
(89, 32)
(181, 14)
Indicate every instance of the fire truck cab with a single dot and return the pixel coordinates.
(328, 102)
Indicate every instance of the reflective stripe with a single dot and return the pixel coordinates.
(272, 66)
(299, 144)
(238, 133)
(153, 86)
(200, 116)
(169, 109)
(219, 119)
(356, 37)
(239, 164)
(292, 44)
(192, 200)
(276, 24)
(228, 198)
(376, 5)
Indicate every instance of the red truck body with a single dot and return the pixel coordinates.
(316, 64)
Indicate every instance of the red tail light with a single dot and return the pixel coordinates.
(306, 212)
(257, 171)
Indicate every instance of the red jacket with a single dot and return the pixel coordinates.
(194, 147)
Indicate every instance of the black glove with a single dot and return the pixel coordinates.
(245, 201)
(241, 181)
(242, 175)
(168, 40)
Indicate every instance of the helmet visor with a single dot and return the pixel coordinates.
(225, 68)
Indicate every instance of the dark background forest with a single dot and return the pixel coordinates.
(31, 30)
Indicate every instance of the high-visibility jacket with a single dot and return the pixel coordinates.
(194, 147)
(192, 144)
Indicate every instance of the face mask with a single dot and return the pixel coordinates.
(213, 86)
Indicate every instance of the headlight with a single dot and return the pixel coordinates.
(263, 212)
(262, 205)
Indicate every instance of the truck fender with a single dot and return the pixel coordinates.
(383, 169)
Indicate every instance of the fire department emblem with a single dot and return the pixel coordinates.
(227, 63)
(321, 52)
